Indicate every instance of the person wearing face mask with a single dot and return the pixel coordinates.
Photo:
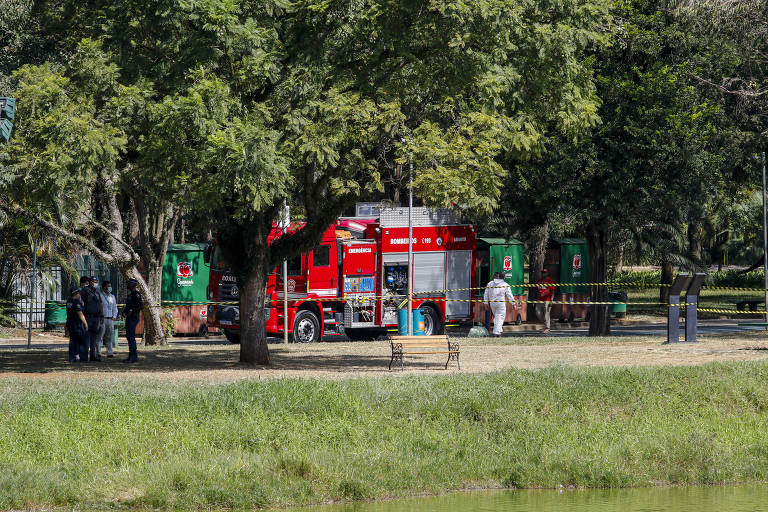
(85, 281)
(93, 314)
(109, 310)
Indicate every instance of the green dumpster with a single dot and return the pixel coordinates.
(573, 265)
(55, 314)
(501, 255)
(184, 287)
(567, 260)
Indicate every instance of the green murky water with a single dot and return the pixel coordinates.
(678, 499)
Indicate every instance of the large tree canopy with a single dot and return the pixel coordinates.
(351, 89)
(232, 107)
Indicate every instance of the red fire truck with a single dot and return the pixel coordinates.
(356, 279)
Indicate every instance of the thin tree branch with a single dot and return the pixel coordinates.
(745, 93)
(74, 237)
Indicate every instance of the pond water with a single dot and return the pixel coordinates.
(677, 499)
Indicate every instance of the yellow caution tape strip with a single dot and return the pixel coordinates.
(733, 288)
(761, 312)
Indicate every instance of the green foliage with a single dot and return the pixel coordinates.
(168, 322)
(644, 278)
(458, 166)
(59, 143)
(731, 278)
(739, 279)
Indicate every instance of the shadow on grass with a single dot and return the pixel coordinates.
(180, 359)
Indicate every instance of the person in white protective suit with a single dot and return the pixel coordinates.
(496, 294)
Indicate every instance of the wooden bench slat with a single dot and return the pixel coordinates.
(421, 338)
(419, 344)
(440, 352)
(407, 350)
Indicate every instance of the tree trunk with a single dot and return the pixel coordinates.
(599, 322)
(157, 223)
(694, 243)
(153, 323)
(620, 259)
(538, 237)
(154, 275)
(253, 336)
(667, 275)
(133, 227)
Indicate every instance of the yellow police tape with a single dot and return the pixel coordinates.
(363, 298)
(733, 288)
(732, 311)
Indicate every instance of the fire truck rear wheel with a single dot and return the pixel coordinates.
(232, 337)
(306, 327)
(433, 322)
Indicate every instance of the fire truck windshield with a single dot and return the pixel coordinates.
(218, 262)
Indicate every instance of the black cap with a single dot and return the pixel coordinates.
(131, 281)
(84, 278)
(74, 290)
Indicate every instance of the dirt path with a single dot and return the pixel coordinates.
(216, 361)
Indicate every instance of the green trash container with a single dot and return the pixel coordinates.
(118, 325)
(619, 306)
(55, 314)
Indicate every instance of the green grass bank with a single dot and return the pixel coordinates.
(106, 443)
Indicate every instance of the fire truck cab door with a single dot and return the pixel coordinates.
(323, 270)
(296, 279)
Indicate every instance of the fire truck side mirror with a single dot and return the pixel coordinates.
(207, 254)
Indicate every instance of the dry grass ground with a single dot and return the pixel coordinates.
(217, 361)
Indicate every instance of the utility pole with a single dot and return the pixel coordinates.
(765, 247)
(286, 221)
(410, 246)
(34, 292)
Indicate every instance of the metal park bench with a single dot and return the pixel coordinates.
(412, 345)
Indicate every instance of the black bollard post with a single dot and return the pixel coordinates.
(680, 283)
(692, 307)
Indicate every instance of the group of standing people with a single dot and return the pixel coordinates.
(498, 292)
(91, 315)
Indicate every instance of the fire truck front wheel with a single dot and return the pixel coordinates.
(306, 327)
(433, 321)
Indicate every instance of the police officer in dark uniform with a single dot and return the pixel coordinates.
(92, 311)
(133, 306)
(77, 327)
